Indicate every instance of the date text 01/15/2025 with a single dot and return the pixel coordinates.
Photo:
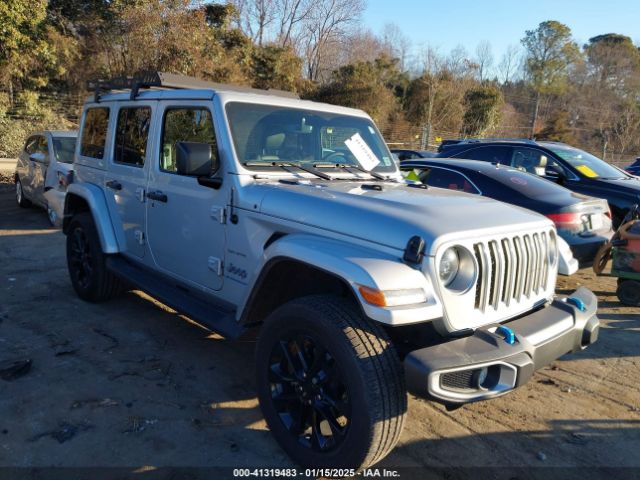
(314, 473)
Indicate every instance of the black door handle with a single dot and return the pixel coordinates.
(158, 196)
(114, 185)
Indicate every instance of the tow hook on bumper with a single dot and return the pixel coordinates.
(498, 358)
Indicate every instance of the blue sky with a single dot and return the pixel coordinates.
(448, 23)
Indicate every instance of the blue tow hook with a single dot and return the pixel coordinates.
(579, 304)
(507, 334)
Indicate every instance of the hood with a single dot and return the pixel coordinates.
(395, 213)
(629, 186)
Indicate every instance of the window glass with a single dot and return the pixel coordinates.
(132, 133)
(270, 133)
(63, 149)
(586, 164)
(186, 125)
(43, 146)
(31, 145)
(495, 154)
(441, 178)
(94, 132)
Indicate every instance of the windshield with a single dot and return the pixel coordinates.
(63, 148)
(586, 164)
(274, 134)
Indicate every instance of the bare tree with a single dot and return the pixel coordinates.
(361, 46)
(484, 59)
(255, 17)
(326, 27)
(396, 43)
(291, 17)
(509, 64)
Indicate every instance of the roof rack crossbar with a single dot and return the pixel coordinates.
(151, 79)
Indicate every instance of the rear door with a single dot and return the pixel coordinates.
(126, 178)
(39, 161)
(186, 220)
(24, 166)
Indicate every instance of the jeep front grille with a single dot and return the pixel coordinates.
(510, 268)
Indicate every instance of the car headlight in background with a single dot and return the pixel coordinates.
(457, 269)
(449, 266)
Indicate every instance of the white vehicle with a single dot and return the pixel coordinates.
(44, 170)
(248, 210)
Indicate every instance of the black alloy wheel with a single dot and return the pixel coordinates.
(308, 392)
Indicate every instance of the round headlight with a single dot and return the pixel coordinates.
(449, 266)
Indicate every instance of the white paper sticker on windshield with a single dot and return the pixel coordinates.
(362, 152)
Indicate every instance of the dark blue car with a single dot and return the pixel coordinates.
(634, 168)
(568, 166)
(583, 222)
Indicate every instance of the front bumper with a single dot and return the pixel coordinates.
(484, 365)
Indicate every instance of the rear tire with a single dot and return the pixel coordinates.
(20, 198)
(628, 292)
(330, 384)
(603, 255)
(86, 262)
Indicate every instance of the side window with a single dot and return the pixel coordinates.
(132, 133)
(43, 145)
(185, 125)
(529, 160)
(31, 145)
(495, 154)
(94, 132)
(438, 177)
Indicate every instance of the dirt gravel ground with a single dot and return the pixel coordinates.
(130, 383)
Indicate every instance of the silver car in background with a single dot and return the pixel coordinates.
(44, 170)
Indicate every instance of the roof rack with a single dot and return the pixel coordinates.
(153, 79)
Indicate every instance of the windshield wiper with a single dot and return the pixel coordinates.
(287, 165)
(354, 167)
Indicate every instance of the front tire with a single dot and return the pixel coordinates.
(86, 262)
(330, 384)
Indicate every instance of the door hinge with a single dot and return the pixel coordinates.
(140, 194)
(215, 264)
(219, 213)
(139, 236)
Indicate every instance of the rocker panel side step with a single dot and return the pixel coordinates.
(218, 318)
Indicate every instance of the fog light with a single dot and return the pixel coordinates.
(482, 376)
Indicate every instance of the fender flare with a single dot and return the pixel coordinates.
(355, 265)
(97, 203)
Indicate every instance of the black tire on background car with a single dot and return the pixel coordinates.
(628, 292)
(330, 384)
(86, 262)
(20, 198)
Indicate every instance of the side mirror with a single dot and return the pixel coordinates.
(38, 157)
(555, 173)
(194, 159)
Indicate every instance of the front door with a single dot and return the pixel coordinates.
(126, 178)
(185, 220)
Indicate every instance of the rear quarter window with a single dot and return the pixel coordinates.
(94, 132)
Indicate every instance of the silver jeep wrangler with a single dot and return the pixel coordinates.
(248, 209)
